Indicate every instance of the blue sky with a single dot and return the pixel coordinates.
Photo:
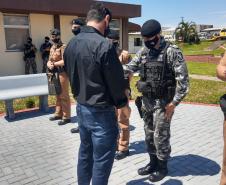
(169, 12)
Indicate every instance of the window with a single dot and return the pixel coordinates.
(16, 31)
(137, 42)
(115, 25)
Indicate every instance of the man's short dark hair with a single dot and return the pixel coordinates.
(79, 21)
(55, 31)
(98, 12)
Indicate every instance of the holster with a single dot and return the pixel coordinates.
(143, 87)
(170, 93)
(138, 103)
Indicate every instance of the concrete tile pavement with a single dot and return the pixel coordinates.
(35, 151)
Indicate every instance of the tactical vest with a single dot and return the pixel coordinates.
(56, 54)
(157, 79)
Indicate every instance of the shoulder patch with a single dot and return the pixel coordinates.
(180, 57)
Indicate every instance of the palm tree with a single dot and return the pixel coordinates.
(186, 32)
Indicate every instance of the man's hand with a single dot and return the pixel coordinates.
(124, 57)
(222, 47)
(125, 111)
(221, 71)
(50, 65)
(169, 111)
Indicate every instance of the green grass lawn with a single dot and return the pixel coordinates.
(199, 49)
(20, 104)
(202, 91)
(201, 68)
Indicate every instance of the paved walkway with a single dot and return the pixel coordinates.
(36, 151)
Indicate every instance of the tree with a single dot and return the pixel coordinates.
(186, 32)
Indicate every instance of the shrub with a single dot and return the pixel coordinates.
(30, 103)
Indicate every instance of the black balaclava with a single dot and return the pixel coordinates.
(150, 29)
(80, 22)
(76, 31)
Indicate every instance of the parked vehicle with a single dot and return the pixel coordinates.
(202, 35)
(219, 36)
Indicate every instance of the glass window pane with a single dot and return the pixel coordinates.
(137, 42)
(15, 20)
(15, 38)
(115, 24)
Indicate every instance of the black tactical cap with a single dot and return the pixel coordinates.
(55, 32)
(150, 28)
(113, 34)
(78, 21)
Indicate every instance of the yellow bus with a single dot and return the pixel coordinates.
(223, 32)
(219, 36)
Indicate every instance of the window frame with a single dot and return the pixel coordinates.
(119, 29)
(136, 41)
(15, 27)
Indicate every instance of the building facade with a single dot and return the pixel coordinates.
(20, 19)
(201, 27)
(135, 42)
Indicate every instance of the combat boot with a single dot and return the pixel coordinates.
(160, 173)
(150, 167)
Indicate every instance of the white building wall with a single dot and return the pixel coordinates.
(11, 62)
(132, 48)
(65, 27)
(40, 26)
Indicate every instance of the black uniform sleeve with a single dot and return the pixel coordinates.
(114, 77)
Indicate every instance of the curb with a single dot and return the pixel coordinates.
(26, 110)
(51, 106)
(203, 104)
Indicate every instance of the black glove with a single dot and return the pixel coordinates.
(138, 103)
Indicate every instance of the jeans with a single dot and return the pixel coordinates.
(98, 135)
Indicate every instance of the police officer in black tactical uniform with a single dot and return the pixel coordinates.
(163, 83)
(29, 56)
(45, 49)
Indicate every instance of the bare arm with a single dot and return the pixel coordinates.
(60, 63)
(221, 67)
